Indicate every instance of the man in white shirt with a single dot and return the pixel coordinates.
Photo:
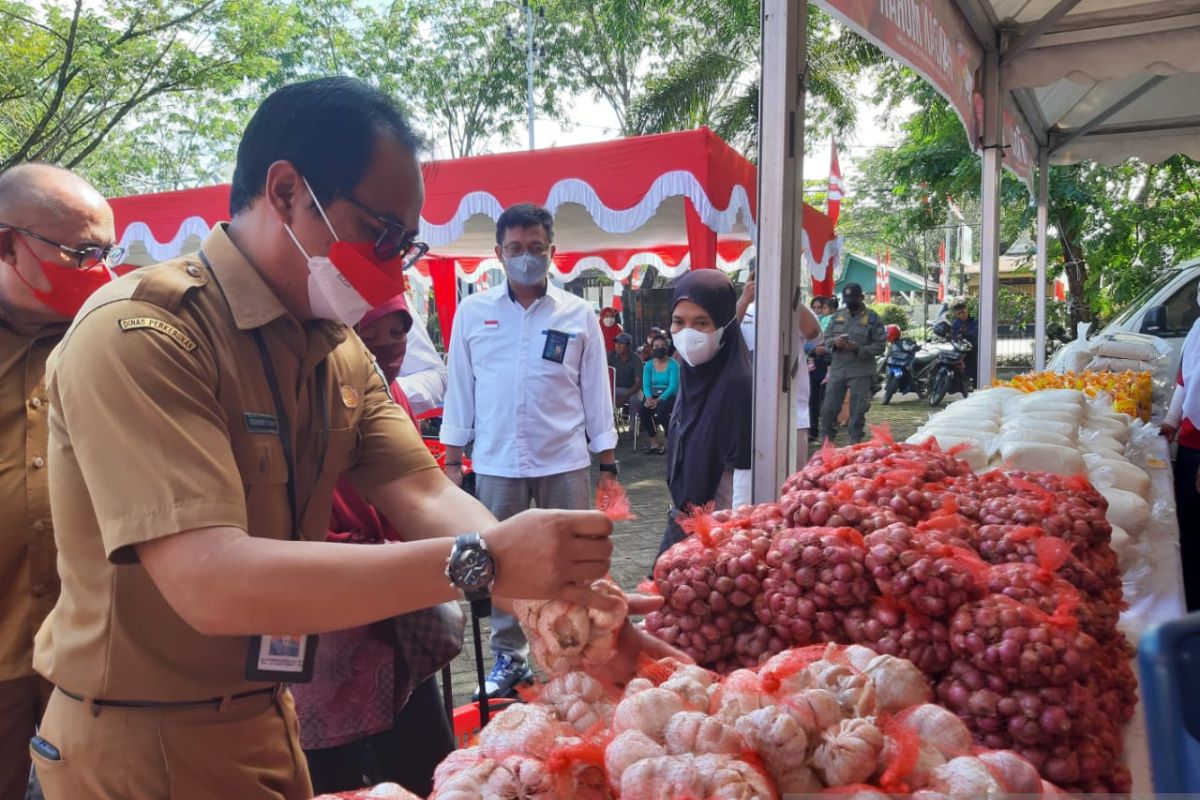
(423, 374)
(529, 385)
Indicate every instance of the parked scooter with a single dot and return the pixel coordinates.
(950, 373)
(908, 369)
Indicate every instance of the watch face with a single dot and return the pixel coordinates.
(473, 569)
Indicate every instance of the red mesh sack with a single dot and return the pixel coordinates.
(1020, 643)
(813, 575)
(823, 508)
(886, 628)
(923, 573)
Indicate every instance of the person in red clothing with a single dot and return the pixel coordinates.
(610, 328)
(364, 714)
(1182, 423)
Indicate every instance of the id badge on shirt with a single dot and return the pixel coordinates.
(556, 346)
(281, 659)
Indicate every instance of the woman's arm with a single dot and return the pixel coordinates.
(672, 380)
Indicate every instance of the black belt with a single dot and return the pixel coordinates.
(215, 701)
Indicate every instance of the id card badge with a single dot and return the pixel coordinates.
(556, 346)
(281, 659)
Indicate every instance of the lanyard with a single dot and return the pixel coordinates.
(284, 423)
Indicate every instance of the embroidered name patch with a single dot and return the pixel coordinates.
(165, 328)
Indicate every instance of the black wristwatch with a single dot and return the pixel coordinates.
(610, 468)
(472, 570)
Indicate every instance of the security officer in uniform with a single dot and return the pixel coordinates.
(202, 410)
(56, 240)
(856, 337)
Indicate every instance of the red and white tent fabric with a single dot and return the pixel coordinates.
(672, 201)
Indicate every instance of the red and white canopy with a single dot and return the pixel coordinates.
(673, 201)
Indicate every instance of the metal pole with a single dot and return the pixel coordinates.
(780, 192)
(529, 67)
(1043, 219)
(989, 236)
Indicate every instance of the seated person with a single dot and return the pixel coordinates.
(628, 368)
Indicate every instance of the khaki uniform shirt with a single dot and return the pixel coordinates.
(28, 578)
(864, 328)
(160, 423)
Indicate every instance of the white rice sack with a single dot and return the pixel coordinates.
(1101, 407)
(1105, 364)
(976, 455)
(1050, 407)
(1066, 429)
(1115, 428)
(1042, 457)
(1042, 396)
(997, 395)
(1124, 348)
(1094, 441)
(1070, 418)
(985, 426)
(1034, 435)
(1126, 510)
(1122, 543)
(1118, 474)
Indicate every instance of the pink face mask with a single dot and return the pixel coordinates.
(69, 288)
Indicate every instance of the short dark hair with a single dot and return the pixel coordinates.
(960, 307)
(658, 336)
(820, 298)
(852, 288)
(832, 302)
(524, 215)
(325, 128)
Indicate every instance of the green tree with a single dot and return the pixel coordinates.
(75, 74)
(715, 82)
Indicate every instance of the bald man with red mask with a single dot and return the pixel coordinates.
(56, 241)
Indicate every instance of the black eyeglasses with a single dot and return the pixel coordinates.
(109, 255)
(396, 241)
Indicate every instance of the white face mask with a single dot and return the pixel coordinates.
(698, 347)
(526, 269)
(609, 322)
(330, 295)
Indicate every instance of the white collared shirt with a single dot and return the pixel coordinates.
(529, 416)
(422, 373)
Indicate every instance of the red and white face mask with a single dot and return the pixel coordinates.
(351, 280)
(69, 287)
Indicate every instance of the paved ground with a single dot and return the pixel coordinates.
(636, 543)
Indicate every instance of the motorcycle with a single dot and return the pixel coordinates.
(950, 374)
(908, 367)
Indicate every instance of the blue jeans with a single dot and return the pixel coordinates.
(507, 497)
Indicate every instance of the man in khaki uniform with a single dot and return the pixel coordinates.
(202, 410)
(856, 336)
(54, 230)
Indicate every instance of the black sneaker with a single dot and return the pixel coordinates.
(506, 674)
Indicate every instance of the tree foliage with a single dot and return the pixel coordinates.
(73, 74)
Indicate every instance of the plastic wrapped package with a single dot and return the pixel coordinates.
(1072, 397)
(1126, 510)
(1063, 417)
(1128, 346)
(1035, 435)
(1067, 429)
(1104, 364)
(1117, 474)
(1097, 441)
(1045, 408)
(1077, 353)
(1041, 457)
(981, 423)
(1117, 429)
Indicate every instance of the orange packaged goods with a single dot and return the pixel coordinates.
(1130, 391)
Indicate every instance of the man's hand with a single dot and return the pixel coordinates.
(632, 642)
(455, 474)
(546, 555)
(820, 350)
(1168, 431)
(607, 481)
(651, 403)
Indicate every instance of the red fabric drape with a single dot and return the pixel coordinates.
(702, 240)
(445, 294)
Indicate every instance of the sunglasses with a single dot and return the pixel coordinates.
(395, 241)
(87, 256)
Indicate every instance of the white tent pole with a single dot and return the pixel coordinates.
(989, 262)
(1043, 219)
(780, 195)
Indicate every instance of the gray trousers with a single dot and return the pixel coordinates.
(507, 497)
(860, 402)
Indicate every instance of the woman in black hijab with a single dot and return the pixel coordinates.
(709, 435)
